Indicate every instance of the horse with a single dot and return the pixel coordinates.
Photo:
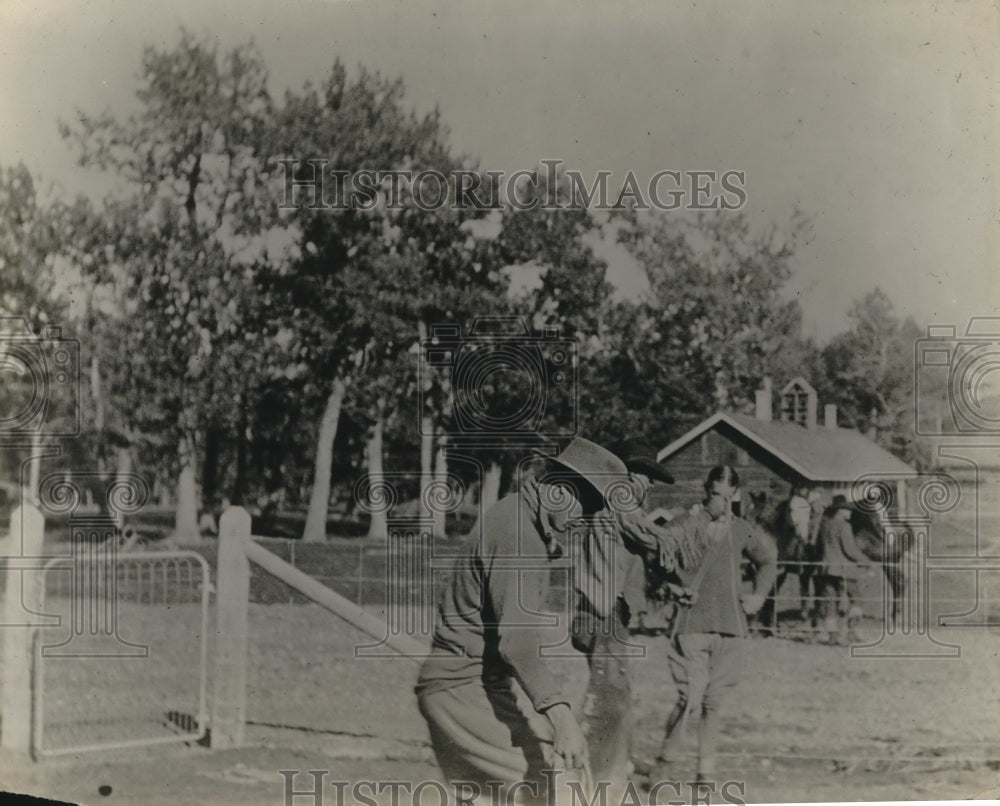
(801, 558)
(870, 535)
(796, 553)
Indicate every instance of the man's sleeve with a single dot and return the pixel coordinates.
(681, 537)
(763, 552)
(517, 596)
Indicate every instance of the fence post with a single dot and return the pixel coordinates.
(232, 599)
(774, 605)
(20, 597)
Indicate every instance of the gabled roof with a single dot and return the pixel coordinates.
(819, 454)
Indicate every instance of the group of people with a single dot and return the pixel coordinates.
(816, 542)
(500, 719)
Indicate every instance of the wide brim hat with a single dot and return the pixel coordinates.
(598, 466)
(840, 502)
(648, 466)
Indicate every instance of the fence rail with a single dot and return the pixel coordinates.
(377, 575)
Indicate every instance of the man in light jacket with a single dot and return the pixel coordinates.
(707, 651)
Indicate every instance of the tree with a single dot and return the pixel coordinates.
(366, 279)
(179, 244)
(29, 239)
(30, 232)
(715, 323)
(870, 373)
(555, 295)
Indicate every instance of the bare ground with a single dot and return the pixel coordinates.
(809, 722)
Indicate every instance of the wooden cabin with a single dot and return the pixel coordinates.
(771, 455)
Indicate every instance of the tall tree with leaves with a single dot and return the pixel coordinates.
(559, 291)
(30, 296)
(179, 240)
(870, 373)
(30, 232)
(716, 320)
(368, 276)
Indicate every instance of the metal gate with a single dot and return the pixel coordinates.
(125, 662)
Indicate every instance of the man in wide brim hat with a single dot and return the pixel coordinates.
(840, 502)
(598, 466)
(643, 464)
(645, 471)
(488, 633)
(843, 562)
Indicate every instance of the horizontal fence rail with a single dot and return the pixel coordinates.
(380, 575)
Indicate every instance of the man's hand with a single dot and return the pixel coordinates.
(716, 506)
(569, 741)
(682, 595)
(752, 602)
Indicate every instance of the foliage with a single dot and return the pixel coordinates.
(714, 324)
(869, 374)
(217, 316)
(176, 251)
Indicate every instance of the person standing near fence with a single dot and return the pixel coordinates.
(489, 635)
(840, 572)
(707, 650)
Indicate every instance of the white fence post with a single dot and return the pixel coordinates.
(27, 525)
(232, 601)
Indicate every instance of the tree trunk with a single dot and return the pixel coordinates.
(489, 492)
(186, 514)
(210, 465)
(426, 463)
(240, 482)
(98, 396)
(123, 465)
(378, 527)
(35, 469)
(162, 494)
(439, 513)
(319, 499)
(426, 435)
(96, 392)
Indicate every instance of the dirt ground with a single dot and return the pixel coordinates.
(809, 722)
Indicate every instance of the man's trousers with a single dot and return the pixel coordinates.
(706, 668)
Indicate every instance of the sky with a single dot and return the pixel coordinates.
(877, 120)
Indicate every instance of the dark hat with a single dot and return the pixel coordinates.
(597, 465)
(648, 466)
(840, 502)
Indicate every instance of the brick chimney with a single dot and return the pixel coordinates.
(830, 416)
(762, 402)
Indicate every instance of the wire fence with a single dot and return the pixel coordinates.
(409, 575)
(161, 599)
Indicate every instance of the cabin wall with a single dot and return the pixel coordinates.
(759, 470)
